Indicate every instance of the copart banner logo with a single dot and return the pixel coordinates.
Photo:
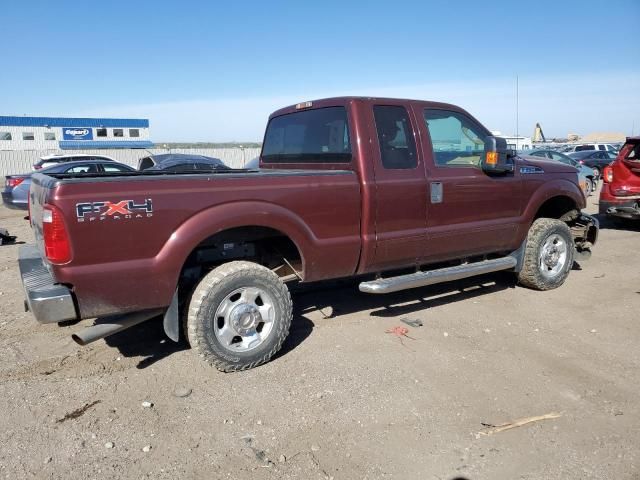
(122, 210)
(77, 133)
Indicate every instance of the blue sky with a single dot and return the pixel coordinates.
(213, 71)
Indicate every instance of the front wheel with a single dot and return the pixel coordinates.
(548, 256)
(239, 316)
(596, 173)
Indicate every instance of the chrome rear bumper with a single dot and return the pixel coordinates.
(49, 302)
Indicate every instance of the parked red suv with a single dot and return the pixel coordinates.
(620, 194)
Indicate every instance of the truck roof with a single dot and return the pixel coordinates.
(339, 101)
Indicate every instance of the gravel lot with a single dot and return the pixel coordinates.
(344, 400)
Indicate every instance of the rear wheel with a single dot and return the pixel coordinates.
(548, 256)
(239, 316)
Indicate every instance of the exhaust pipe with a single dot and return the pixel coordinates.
(109, 325)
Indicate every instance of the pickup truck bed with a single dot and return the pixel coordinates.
(121, 252)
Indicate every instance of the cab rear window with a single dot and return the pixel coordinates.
(311, 136)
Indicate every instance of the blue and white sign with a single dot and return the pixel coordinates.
(76, 133)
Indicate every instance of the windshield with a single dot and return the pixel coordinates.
(311, 136)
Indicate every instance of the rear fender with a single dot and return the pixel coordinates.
(223, 217)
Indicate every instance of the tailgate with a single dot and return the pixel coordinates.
(41, 190)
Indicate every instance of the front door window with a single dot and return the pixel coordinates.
(455, 139)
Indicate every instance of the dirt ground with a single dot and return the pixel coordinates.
(344, 399)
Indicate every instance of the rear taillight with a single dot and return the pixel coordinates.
(56, 240)
(37, 167)
(607, 174)
(13, 182)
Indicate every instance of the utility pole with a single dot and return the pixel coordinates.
(517, 110)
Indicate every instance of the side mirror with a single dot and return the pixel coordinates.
(497, 157)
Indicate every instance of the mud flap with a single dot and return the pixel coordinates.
(171, 321)
(519, 256)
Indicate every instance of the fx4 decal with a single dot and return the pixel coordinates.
(124, 209)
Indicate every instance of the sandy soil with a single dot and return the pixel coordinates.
(344, 399)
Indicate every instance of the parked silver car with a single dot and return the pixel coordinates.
(16, 187)
(57, 158)
(586, 178)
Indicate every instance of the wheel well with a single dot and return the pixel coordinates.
(556, 207)
(265, 246)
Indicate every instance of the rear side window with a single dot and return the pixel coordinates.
(92, 168)
(562, 158)
(311, 136)
(457, 141)
(395, 137)
(5, 135)
(581, 148)
(110, 168)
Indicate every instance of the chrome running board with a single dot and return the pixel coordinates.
(431, 277)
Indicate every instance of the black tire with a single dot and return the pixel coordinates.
(220, 286)
(536, 273)
(588, 187)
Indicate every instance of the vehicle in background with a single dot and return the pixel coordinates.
(180, 162)
(56, 158)
(605, 147)
(401, 193)
(596, 160)
(16, 187)
(620, 194)
(586, 178)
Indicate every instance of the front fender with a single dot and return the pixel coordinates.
(559, 187)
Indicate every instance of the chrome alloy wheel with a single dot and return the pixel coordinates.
(244, 319)
(553, 256)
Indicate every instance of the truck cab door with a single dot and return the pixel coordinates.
(470, 212)
(401, 189)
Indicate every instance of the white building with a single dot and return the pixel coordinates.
(515, 142)
(55, 133)
(518, 143)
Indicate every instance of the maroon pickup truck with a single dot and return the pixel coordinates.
(400, 193)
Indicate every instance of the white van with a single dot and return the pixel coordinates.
(592, 146)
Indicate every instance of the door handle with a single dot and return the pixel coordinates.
(436, 192)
